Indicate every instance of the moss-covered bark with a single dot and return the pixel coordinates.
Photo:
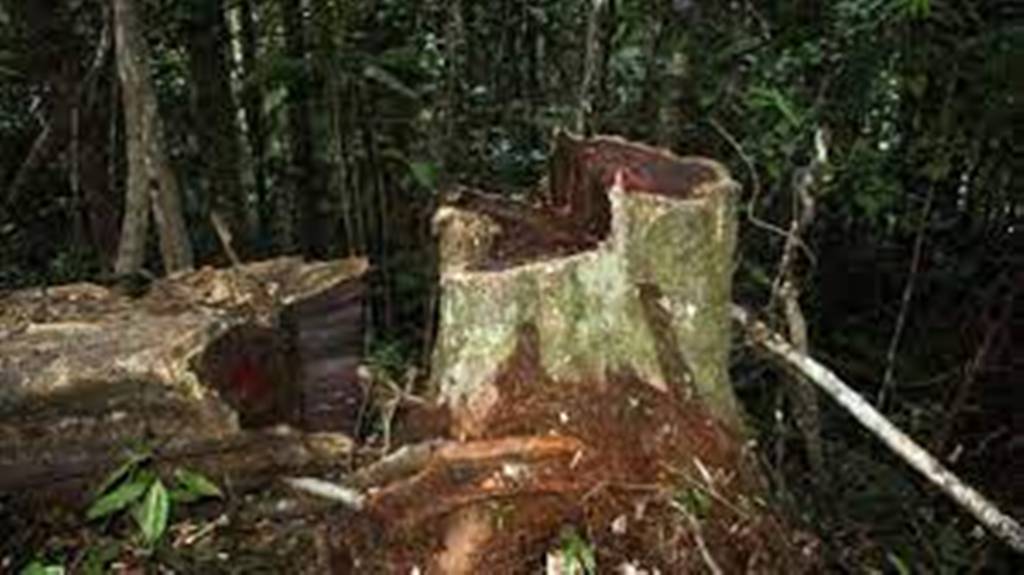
(650, 298)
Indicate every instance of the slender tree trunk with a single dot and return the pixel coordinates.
(252, 103)
(151, 183)
(308, 196)
(216, 126)
(446, 146)
(591, 57)
(330, 35)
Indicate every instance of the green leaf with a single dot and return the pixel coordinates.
(152, 514)
(897, 564)
(198, 485)
(125, 469)
(425, 174)
(577, 553)
(98, 557)
(182, 495)
(919, 8)
(773, 98)
(118, 499)
(694, 501)
(38, 568)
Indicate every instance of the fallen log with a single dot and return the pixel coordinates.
(88, 370)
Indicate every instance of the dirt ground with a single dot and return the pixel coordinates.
(644, 480)
(650, 480)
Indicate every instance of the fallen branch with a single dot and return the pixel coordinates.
(402, 478)
(1000, 524)
(347, 496)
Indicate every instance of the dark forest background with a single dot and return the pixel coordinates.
(330, 128)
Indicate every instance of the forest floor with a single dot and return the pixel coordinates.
(609, 476)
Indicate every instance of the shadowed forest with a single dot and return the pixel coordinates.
(876, 153)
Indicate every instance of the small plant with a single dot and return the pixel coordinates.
(692, 501)
(42, 568)
(135, 488)
(576, 553)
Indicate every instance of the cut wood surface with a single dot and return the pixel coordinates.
(87, 369)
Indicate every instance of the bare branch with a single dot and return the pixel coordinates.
(908, 296)
(755, 184)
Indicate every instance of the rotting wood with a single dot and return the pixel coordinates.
(998, 523)
(86, 370)
(245, 459)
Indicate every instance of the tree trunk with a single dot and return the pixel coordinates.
(215, 111)
(330, 36)
(252, 103)
(151, 182)
(645, 288)
(305, 181)
(582, 358)
(85, 370)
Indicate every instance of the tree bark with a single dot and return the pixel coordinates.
(582, 357)
(645, 289)
(216, 114)
(151, 181)
(313, 228)
(86, 370)
(252, 103)
(330, 36)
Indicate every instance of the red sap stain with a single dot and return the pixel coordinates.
(248, 383)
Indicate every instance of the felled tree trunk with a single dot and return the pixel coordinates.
(86, 371)
(582, 357)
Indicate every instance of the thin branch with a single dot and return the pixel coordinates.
(351, 498)
(786, 288)
(908, 296)
(225, 237)
(998, 523)
(590, 59)
(755, 184)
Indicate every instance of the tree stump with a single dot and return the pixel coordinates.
(581, 356)
(627, 269)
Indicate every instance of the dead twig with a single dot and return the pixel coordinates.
(785, 287)
(755, 184)
(908, 296)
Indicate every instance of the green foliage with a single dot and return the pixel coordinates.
(692, 501)
(425, 174)
(42, 568)
(136, 487)
(120, 498)
(193, 487)
(577, 553)
(153, 513)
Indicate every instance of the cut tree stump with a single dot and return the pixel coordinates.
(86, 370)
(595, 321)
(629, 269)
